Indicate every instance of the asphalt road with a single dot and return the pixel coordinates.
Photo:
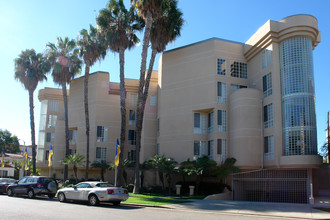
(44, 208)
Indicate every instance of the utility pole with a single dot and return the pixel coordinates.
(328, 139)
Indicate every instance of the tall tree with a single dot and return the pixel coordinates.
(8, 142)
(119, 26)
(165, 15)
(30, 69)
(65, 63)
(74, 160)
(92, 48)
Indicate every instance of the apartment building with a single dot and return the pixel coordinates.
(252, 101)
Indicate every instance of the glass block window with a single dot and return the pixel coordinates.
(153, 100)
(200, 121)
(299, 141)
(221, 150)
(269, 148)
(52, 121)
(222, 121)
(221, 66)
(133, 98)
(222, 92)
(266, 57)
(267, 87)
(234, 87)
(53, 106)
(102, 134)
(132, 117)
(210, 149)
(239, 70)
(101, 153)
(131, 137)
(210, 122)
(268, 116)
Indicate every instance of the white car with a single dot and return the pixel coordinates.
(93, 192)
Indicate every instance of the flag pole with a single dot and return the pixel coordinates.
(116, 176)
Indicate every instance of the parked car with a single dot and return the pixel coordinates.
(93, 192)
(34, 185)
(4, 183)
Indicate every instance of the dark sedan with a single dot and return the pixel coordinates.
(4, 183)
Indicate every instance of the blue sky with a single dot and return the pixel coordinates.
(32, 24)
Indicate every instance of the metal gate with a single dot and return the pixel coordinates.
(289, 186)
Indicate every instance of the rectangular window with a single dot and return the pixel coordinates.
(266, 57)
(268, 116)
(210, 149)
(131, 137)
(200, 148)
(222, 92)
(200, 123)
(131, 155)
(239, 70)
(157, 150)
(101, 153)
(267, 85)
(46, 155)
(221, 150)
(102, 134)
(222, 120)
(196, 148)
(269, 148)
(133, 99)
(72, 152)
(210, 122)
(234, 87)
(158, 127)
(52, 121)
(53, 106)
(153, 100)
(50, 138)
(132, 117)
(72, 137)
(221, 67)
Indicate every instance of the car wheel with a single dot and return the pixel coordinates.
(116, 203)
(10, 192)
(93, 200)
(51, 196)
(30, 194)
(61, 197)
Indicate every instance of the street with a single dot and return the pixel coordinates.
(44, 208)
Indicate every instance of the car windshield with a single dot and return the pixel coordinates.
(103, 185)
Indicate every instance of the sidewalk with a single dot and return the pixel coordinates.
(288, 210)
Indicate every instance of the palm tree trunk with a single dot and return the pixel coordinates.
(33, 139)
(86, 117)
(123, 113)
(66, 119)
(75, 173)
(139, 122)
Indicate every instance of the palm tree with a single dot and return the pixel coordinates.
(151, 11)
(65, 65)
(92, 48)
(119, 26)
(74, 160)
(30, 69)
(103, 165)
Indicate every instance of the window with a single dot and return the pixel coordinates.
(221, 66)
(269, 148)
(200, 123)
(101, 153)
(157, 150)
(72, 152)
(102, 134)
(53, 106)
(222, 120)
(221, 150)
(222, 92)
(238, 69)
(266, 57)
(73, 137)
(158, 126)
(131, 137)
(234, 87)
(268, 116)
(153, 100)
(210, 149)
(47, 155)
(131, 155)
(210, 122)
(200, 148)
(50, 138)
(52, 121)
(267, 85)
(133, 99)
(132, 117)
